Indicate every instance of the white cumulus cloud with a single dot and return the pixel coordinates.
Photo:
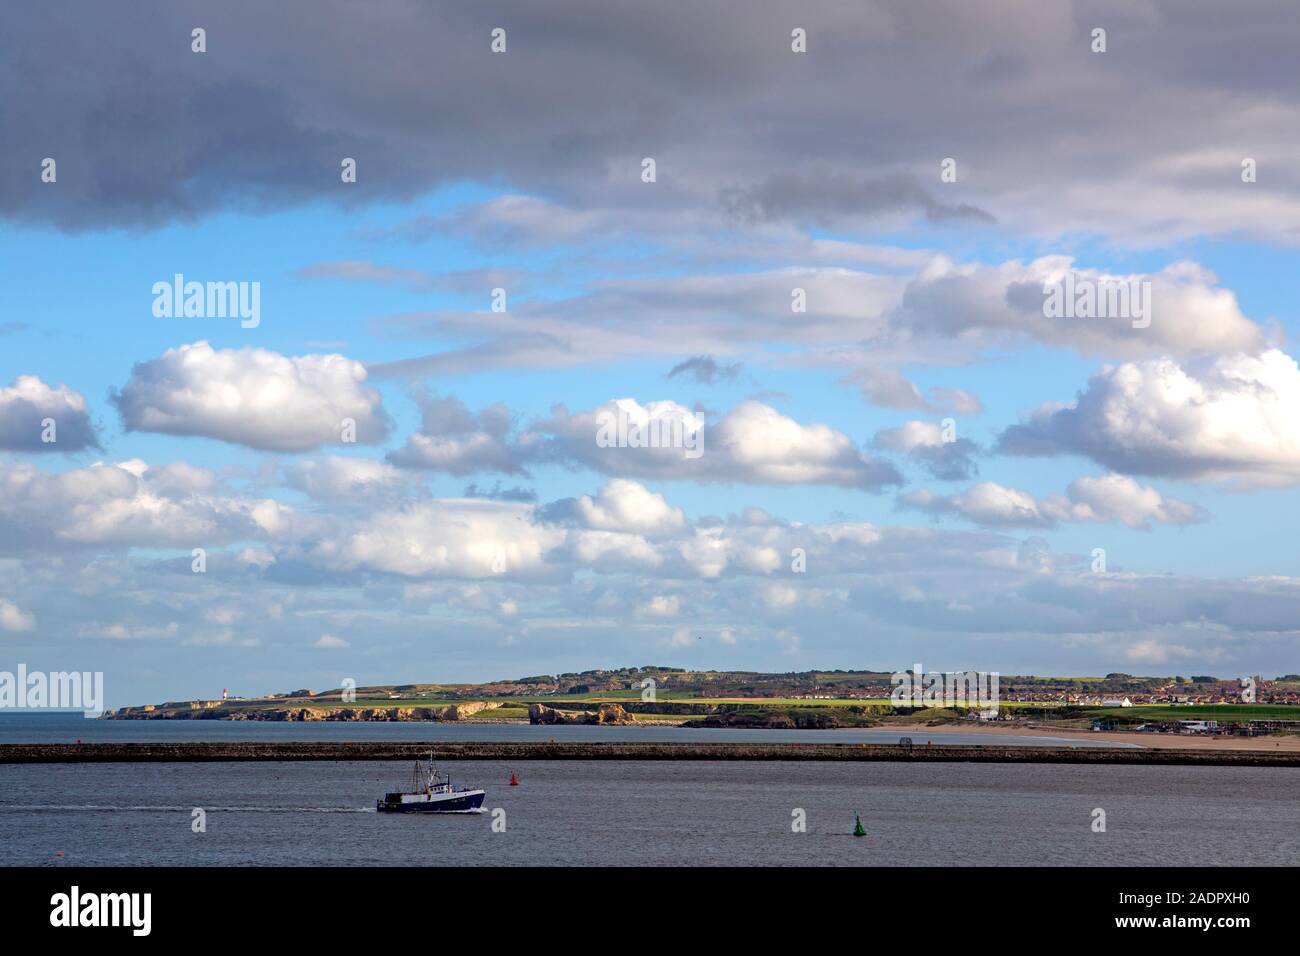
(13, 618)
(128, 504)
(753, 443)
(253, 397)
(1106, 499)
(28, 404)
(1231, 419)
(626, 505)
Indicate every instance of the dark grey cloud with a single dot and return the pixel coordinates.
(561, 512)
(829, 200)
(147, 132)
(933, 447)
(1032, 441)
(954, 461)
(499, 493)
(706, 370)
(457, 441)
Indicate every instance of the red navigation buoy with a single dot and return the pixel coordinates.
(514, 781)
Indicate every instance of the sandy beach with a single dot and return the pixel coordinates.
(1154, 741)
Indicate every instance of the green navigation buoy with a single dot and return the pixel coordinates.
(857, 826)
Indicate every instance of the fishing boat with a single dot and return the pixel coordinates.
(431, 792)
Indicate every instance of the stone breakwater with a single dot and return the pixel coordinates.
(514, 751)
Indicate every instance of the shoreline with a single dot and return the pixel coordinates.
(515, 751)
(1272, 743)
(1265, 744)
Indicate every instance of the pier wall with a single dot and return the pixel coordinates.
(517, 751)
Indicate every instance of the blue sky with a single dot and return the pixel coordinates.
(1172, 447)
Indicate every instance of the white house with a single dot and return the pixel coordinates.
(1117, 703)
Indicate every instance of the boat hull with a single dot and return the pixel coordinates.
(464, 801)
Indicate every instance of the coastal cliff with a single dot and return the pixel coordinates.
(605, 714)
(211, 710)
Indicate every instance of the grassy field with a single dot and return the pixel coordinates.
(501, 713)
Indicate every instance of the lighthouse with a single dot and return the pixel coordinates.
(225, 694)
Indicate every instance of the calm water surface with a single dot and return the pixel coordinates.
(653, 813)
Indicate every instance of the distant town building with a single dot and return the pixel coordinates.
(1116, 702)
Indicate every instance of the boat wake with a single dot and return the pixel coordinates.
(98, 808)
(444, 813)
